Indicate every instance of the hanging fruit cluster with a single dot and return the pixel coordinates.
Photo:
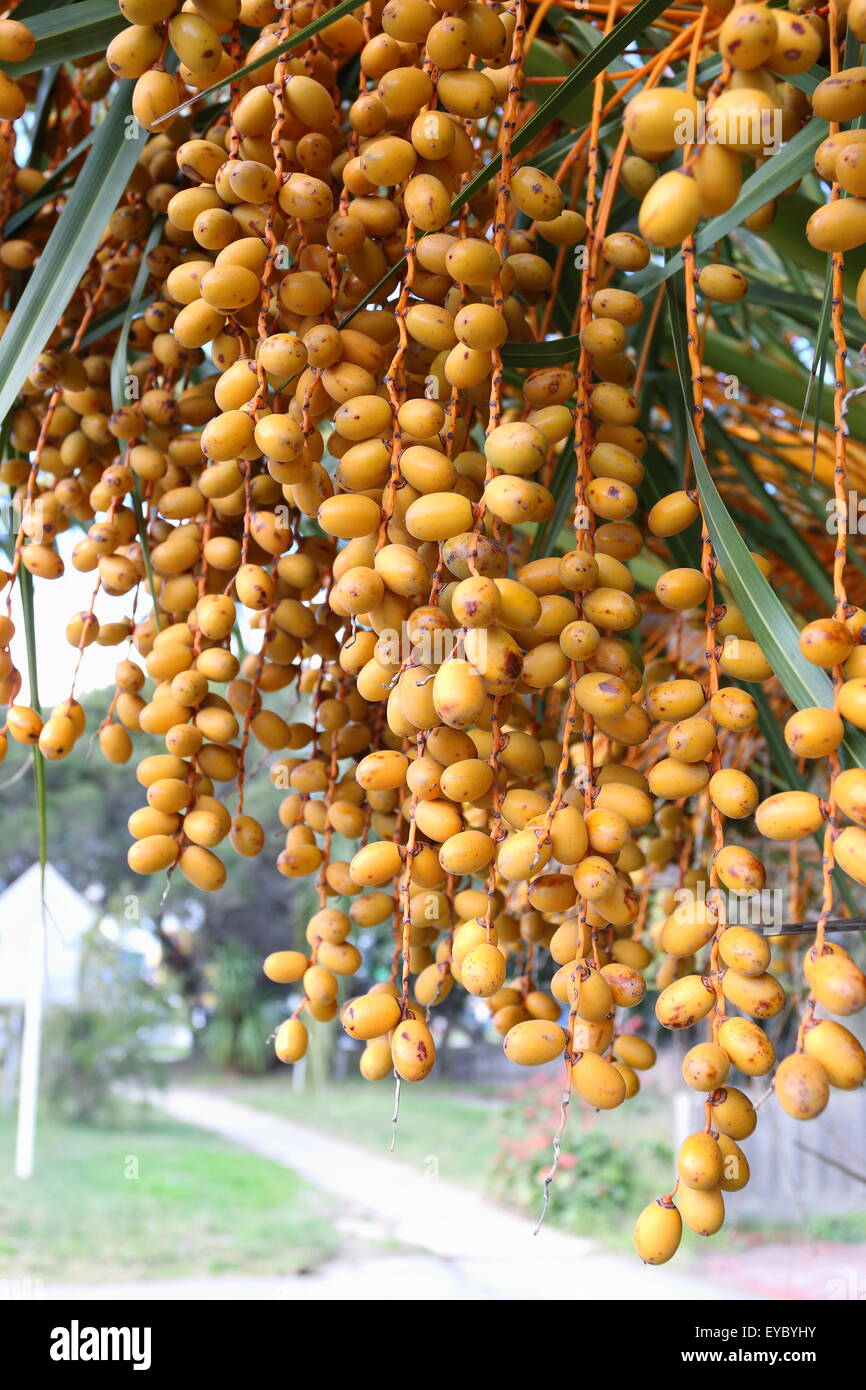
(369, 332)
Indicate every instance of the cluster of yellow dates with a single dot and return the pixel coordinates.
(477, 758)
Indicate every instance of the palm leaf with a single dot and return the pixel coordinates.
(804, 684)
(554, 353)
(42, 109)
(34, 7)
(70, 32)
(71, 245)
(800, 307)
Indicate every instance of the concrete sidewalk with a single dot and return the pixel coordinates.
(466, 1247)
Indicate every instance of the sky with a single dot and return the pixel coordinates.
(56, 601)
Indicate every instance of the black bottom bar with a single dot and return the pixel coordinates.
(81, 1342)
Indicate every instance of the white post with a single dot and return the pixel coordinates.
(30, 1047)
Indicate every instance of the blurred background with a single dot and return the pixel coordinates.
(175, 1158)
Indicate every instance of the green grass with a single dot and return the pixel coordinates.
(149, 1198)
(456, 1132)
